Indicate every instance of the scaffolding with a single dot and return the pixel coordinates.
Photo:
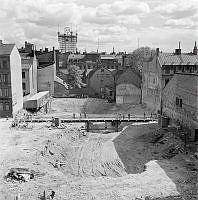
(67, 41)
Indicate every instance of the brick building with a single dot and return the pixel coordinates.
(159, 69)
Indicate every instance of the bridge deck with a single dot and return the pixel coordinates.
(83, 120)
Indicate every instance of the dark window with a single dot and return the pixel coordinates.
(180, 103)
(24, 86)
(102, 70)
(1, 106)
(111, 93)
(167, 69)
(4, 64)
(23, 74)
(177, 101)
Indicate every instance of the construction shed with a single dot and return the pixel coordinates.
(37, 101)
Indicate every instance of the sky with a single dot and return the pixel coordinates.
(104, 23)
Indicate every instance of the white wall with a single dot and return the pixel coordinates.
(127, 93)
(46, 79)
(16, 80)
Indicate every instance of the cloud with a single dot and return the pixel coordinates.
(115, 22)
(186, 23)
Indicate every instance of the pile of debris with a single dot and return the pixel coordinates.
(170, 143)
(19, 174)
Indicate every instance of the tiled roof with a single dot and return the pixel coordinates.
(173, 59)
(129, 76)
(6, 49)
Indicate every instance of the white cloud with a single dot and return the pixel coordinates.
(180, 22)
(115, 22)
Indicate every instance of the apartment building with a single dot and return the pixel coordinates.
(11, 92)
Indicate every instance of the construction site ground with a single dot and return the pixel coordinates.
(139, 162)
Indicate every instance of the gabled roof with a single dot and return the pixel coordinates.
(129, 76)
(174, 59)
(6, 49)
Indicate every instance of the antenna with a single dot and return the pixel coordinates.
(58, 28)
(179, 44)
(98, 46)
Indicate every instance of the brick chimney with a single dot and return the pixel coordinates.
(157, 52)
(178, 51)
(195, 49)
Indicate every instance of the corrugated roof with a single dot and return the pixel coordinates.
(182, 59)
(6, 49)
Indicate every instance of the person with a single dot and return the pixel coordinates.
(144, 114)
(52, 195)
(74, 115)
(128, 116)
(80, 115)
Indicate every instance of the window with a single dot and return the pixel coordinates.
(167, 69)
(1, 92)
(102, 70)
(6, 92)
(1, 106)
(24, 86)
(177, 101)
(7, 106)
(4, 64)
(111, 93)
(23, 74)
(180, 103)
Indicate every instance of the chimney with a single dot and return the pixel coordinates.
(178, 51)
(195, 49)
(157, 52)
(46, 49)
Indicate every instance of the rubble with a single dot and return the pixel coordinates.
(19, 174)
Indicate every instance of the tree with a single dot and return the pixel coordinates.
(138, 56)
(74, 77)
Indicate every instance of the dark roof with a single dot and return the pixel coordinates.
(90, 74)
(43, 65)
(6, 49)
(174, 59)
(129, 76)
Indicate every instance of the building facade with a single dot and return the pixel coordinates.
(67, 41)
(29, 74)
(159, 69)
(101, 83)
(180, 101)
(128, 88)
(11, 93)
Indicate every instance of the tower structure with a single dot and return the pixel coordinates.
(67, 41)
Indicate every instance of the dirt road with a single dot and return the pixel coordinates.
(76, 166)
